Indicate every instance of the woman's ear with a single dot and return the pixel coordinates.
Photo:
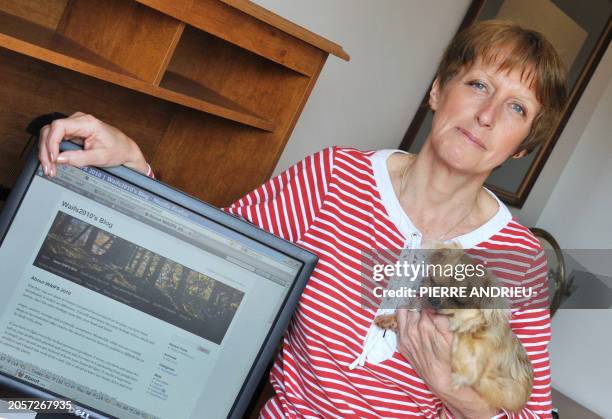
(519, 154)
(434, 95)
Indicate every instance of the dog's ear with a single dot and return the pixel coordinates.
(490, 282)
(496, 315)
(468, 320)
(459, 256)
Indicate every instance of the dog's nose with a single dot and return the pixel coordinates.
(434, 301)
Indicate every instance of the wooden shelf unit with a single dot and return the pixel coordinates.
(30, 39)
(210, 89)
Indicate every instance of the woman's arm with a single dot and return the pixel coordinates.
(103, 145)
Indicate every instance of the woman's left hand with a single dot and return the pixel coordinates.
(425, 340)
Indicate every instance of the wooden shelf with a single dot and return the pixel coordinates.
(173, 84)
(209, 89)
(264, 15)
(254, 29)
(27, 38)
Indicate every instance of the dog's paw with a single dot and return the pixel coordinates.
(386, 322)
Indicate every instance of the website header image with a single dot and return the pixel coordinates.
(133, 275)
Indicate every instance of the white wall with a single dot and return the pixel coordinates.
(369, 101)
(555, 167)
(583, 193)
(577, 212)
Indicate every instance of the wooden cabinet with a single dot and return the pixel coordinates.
(210, 89)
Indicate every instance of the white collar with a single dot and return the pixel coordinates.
(399, 217)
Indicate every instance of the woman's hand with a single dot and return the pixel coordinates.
(425, 340)
(103, 145)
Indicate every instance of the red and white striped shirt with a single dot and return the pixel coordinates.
(337, 203)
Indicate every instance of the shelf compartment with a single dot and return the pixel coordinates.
(138, 39)
(47, 13)
(175, 83)
(238, 27)
(30, 39)
(211, 68)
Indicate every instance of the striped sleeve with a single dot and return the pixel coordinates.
(532, 327)
(287, 204)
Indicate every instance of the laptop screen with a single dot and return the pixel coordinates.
(126, 302)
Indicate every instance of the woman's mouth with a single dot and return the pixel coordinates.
(472, 139)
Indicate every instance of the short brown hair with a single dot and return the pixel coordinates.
(521, 48)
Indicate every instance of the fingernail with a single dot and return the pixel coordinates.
(46, 170)
(61, 159)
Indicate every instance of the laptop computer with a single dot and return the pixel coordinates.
(131, 299)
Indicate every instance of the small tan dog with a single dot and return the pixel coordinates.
(485, 354)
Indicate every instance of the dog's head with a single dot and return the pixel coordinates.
(455, 282)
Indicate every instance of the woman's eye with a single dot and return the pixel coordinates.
(518, 109)
(478, 85)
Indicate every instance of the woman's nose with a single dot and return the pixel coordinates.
(486, 114)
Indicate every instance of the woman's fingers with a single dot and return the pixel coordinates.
(428, 333)
(422, 332)
(78, 125)
(423, 344)
(439, 337)
(103, 145)
(442, 326)
(78, 158)
(43, 153)
(407, 321)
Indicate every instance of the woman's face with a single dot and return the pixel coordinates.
(481, 116)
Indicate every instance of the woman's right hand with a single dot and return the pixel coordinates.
(103, 145)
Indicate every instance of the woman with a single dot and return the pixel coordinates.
(497, 92)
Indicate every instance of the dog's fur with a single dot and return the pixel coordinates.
(485, 354)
